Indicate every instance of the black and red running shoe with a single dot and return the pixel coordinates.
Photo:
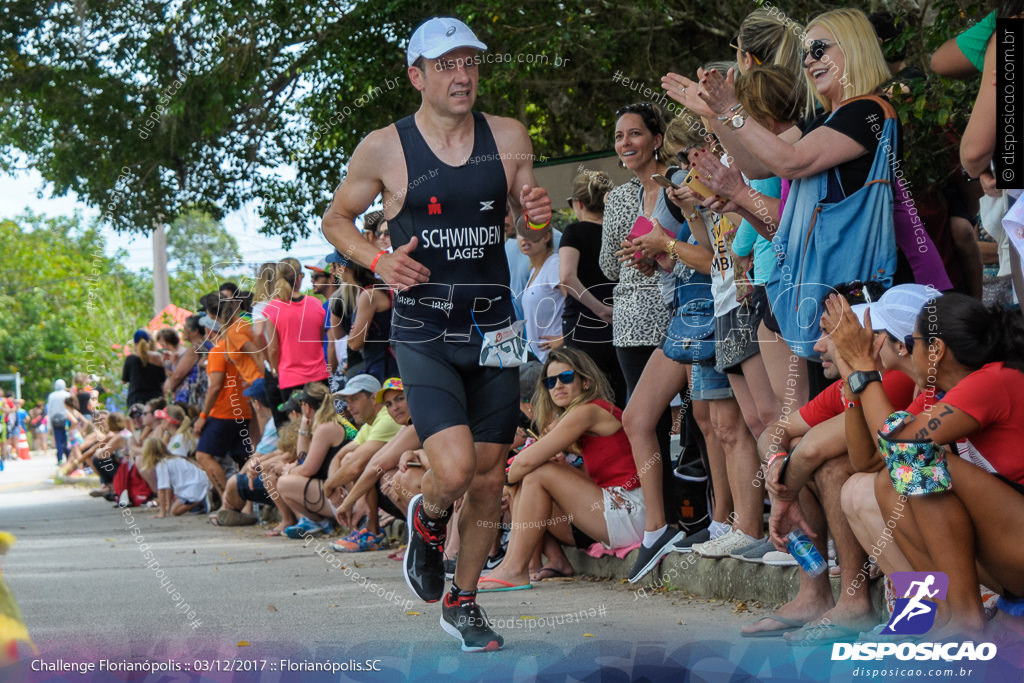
(424, 555)
(465, 620)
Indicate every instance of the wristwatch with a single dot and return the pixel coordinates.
(859, 380)
(738, 120)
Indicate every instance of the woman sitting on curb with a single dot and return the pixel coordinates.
(572, 406)
(322, 433)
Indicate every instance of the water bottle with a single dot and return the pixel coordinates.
(806, 555)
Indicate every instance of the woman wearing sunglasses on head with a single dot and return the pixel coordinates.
(573, 411)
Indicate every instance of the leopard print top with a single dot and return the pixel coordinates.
(639, 314)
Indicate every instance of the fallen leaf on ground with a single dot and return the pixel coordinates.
(271, 608)
(243, 643)
(589, 635)
(413, 614)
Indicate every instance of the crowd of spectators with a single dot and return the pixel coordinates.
(765, 269)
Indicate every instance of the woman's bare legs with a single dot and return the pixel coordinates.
(532, 511)
(721, 504)
(742, 465)
(662, 379)
(787, 372)
(979, 512)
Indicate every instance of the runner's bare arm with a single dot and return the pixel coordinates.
(354, 195)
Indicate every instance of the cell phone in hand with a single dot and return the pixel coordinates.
(782, 471)
(641, 227)
(665, 182)
(693, 182)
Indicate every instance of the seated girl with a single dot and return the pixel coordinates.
(182, 439)
(322, 433)
(961, 511)
(572, 407)
(176, 478)
(108, 452)
(76, 425)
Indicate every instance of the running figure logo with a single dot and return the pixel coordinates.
(914, 613)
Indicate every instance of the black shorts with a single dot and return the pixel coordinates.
(226, 437)
(257, 493)
(386, 504)
(446, 386)
(763, 309)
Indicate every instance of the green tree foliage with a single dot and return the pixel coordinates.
(200, 251)
(934, 111)
(147, 107)
(64, 304)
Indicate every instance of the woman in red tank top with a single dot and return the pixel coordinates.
(573, 410)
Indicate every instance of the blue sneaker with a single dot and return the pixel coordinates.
(327, 526)
(305, 527)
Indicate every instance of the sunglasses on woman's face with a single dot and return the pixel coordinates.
(816, 49)
(567, 377)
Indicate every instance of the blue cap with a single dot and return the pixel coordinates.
(336, 257)
(140, 335)
(256, 390)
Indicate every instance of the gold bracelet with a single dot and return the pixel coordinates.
(670, 247)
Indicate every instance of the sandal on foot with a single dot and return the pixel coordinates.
(501, 586)
(822, 634)
(790, 625)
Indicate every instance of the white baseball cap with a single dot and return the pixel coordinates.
(364, 382)
(439, 36)
(896, 311)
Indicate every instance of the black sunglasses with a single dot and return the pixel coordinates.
(816, 49)
(567, 377)
(633, 108)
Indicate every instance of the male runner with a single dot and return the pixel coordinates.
(445, 173)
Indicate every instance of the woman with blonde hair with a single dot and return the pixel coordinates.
(573, 411)
(322, 433)
(293, 332)
(176, 477)
(143, 371)
(182, 440)
(845, 172)
(262, 292)
(767, 39)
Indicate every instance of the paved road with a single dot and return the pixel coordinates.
(96, 583)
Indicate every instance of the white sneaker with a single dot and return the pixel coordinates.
(723, 545)
(777, 558)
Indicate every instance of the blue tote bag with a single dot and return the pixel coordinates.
(820, 244)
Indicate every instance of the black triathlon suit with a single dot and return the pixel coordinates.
(458, 216)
